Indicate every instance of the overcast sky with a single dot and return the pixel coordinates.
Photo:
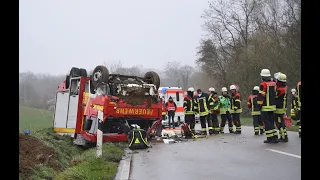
(55, 35)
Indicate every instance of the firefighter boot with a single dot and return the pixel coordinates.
(222, 130)
(210, 131)
(261, 131)
(299, 134)
(256, 133)
(269, 140)
(285, 139)
(275, 139)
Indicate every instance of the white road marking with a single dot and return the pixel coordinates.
(288, 154)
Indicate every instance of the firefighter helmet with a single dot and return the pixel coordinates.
(293, 91)
(191, 89)
(265, 73)
(211, 89)
(256, 88)
(282, 77)
(224, 89)
(233, 87)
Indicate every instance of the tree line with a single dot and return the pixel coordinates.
(245, 36)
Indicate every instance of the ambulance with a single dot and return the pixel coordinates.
(177, 95)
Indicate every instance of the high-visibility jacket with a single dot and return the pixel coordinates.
(171, 106)
(213, 103)
(224, 104)
(253, 104)
(235, 103)
(295, 104)
(281, 99)
(188, 105)
(202, 103)
(267, 96)
(299, 91)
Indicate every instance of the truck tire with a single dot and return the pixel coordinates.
(100, 74)
(154, 78)
(83, 72)
(67, 81)
(74, 72)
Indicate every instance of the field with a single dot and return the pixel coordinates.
(34, 119)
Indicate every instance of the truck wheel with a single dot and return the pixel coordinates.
(74, 72)
(154, 78)
(100, 75)
(67, 81)
(83, 72)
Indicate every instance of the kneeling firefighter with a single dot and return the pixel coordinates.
(137, 138)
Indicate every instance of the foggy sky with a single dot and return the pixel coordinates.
(55, 35)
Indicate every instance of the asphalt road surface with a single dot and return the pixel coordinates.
(220, 157)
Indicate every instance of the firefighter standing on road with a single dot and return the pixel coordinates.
(203, 105)
(255, 111)
(224, 106)
(235, 108)
(267, 101)
(171, 108)
(281, 105)
(295, 105)
(214, 110)
(189, 109)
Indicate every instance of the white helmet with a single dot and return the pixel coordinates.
(256, 88)
(282, 77)
(265, 73)
(224, 89)
(211, 89)
(191, 89)
(233, 87)
(293, 91)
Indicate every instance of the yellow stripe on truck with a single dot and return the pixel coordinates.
(64, 130)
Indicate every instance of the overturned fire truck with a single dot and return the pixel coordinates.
(124, 100)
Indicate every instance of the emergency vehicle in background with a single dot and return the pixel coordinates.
(79, 98)
(177, 95)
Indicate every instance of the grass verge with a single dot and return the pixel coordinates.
(88, 166)
(72, 162)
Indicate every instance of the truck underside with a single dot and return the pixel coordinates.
(124, 100)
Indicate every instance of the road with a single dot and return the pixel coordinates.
(221, 157)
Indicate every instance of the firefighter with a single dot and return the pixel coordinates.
(268, 105)
(295, 105)
(189, 109)
(224, 107)
(214, 110)
(171, 108)
(203, 109)
(255, 111)
(235, 108)
(137, 138)
(281, 106)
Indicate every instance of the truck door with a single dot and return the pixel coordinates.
(61, 109)
(73, 103)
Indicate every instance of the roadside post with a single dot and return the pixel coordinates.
(99, 134)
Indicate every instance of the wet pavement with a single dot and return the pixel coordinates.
(220, 157)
